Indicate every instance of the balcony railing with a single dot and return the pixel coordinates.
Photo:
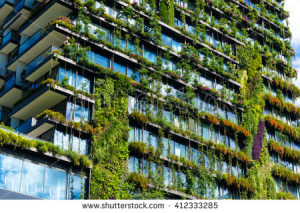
(31, 40)
(26, 125)
(9, 83)
(12, 35)
(40, 59)
(4, 1)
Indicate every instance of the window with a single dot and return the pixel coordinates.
(55, 185)
(205, 131)
(131, 164)
(149, 55)
(68, 141)
(166, 176)
(232, 116)
(166, 147)
(231, 142)
(167, 40)
(120, 68)
(77, 112)
(75, 80)
(67, 75)
(10, 173)
(135, 75)
(33, 179)
(77, 187)
(98, 59)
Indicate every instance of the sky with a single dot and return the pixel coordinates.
(293, 7)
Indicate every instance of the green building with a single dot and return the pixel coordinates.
(147, 99)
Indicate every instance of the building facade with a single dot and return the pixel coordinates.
(148, 99)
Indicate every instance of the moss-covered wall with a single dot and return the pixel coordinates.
(167, 12)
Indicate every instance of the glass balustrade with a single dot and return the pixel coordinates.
(40, 59)
(26, 125)
(12, 35)
(19, 6)
(9, 83)
(31, 40)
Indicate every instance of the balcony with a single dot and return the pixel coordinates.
(41, 65)
(52, 10)
(23, 6)
(10, 93)
(26, 125)
(9, 42)
(6, 7)
(36, 45)
(31, 41)
(45, 98)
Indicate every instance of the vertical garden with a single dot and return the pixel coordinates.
(140, 120)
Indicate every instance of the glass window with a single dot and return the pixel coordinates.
(172, 148)
(183, 151)
(119, 68)
(167, 40)
(135, 75)
(33, 179)
(195, 155)
(131, 135)
(77, 187)
(205, 131)
(10, 173)
(226, 194)
(67, 75)
(77, 113)
(61, 140)
(83, 83)
(98, 59)
(131, 164)
(232, 117)
(149, 55)
(55, 185)
(231, 143)
(177, 149)
(166, 146)
(166, 176)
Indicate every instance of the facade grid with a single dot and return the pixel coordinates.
(148, 99)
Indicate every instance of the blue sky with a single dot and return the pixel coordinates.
(293, 6)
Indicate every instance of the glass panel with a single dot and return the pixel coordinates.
(133, 74)
(131, 164)
(167, 40)
(9, 83)
(149, 55)
(205, 131)
(83, 84)
(31, 40)
(40, 59)
(77, 187)
(33, 179)
(177, 149)
(98, 59)
(67, 75)
(10, 173)
(119, 68)
(55, 185)
(166, 146)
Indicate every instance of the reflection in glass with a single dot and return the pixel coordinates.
(55, 185)
(77, 187)
(33, 179)
(10, 173)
